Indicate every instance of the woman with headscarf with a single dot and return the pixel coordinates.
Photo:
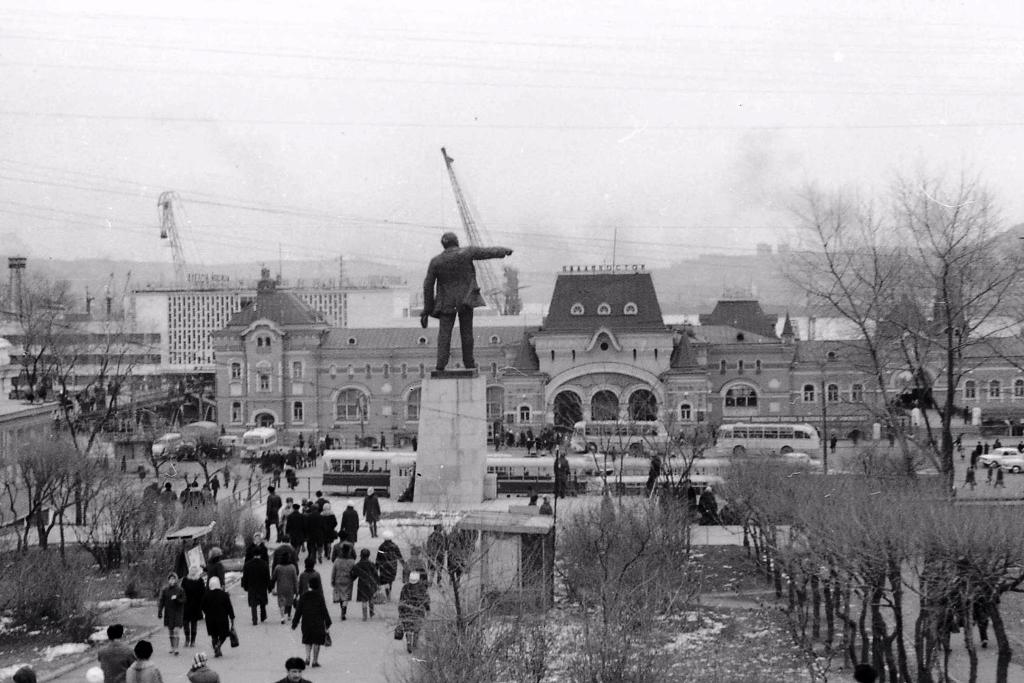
(413, 605)
(171, 608)
(388, 557)
(195, 589)
(219, 614)
(214, 566)
(311, 611)
(328, 531)
(366, 574)
(200, 672)
(341, 576)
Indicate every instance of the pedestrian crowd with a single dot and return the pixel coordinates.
(995, 474)
(309, 534)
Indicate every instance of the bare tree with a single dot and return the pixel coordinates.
(924, 282)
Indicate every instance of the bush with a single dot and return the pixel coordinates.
(39, 586)
(235, 525)
(148, 574)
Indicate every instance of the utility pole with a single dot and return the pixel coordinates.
(824, 424)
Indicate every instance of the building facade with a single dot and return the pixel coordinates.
(603, 352)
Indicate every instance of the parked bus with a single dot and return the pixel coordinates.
(258, 442)
(349, 472)
(766, 439)
(615, 436)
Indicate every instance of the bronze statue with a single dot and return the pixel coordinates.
(457, 294)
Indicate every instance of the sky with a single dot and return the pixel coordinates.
(582, 132)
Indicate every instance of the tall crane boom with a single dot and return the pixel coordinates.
(169, 231)
(490, 290)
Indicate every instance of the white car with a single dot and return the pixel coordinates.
(1009, 458)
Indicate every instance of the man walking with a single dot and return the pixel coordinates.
(457, 293)
(115, 657)
(273, 510)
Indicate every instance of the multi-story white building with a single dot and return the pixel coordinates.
(185, 317)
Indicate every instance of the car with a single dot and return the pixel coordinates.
(997, 456)
(1013, 463)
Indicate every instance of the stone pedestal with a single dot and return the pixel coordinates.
(451, 454)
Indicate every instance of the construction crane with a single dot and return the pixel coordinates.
(489, 288)
(165, 205)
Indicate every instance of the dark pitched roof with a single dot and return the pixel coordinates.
(283, 308)
(587, 292)
(727, 334)
(742, 314)
(787, 327)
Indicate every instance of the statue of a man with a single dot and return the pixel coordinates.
(457, 294)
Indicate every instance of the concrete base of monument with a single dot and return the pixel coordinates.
(451, 454)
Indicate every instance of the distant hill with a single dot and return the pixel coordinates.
(686, 287)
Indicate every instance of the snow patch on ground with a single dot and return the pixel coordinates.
(100, 636)
(703, 634)
(8, 671)
(64, 649)
(231, 576)
(120, 602)
(5, 624)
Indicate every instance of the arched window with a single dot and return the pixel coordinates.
(741, 396)
(568, 408)
(351, 370)
(369, 371)
(604, 405)
(264, 380)
(577, 309)
(352, 341)
(643, 406)
(757, 366)
(1018, 388)
(721, 366)
(494, 369)
(495, 403)
(298, 412)
(856, 393)
(236, 411)
(412, 405)
(350, 405)
(604, 309)
(405, 370)
(236, 371)
(495, 339)
(629, 309)
(739, 366)
(970, 389)
(686, 412)
(387, 370)
(422, 341)
(994, 388)
(524, 413)
(423, 370)
(831, 355)
(808, 393)
(832, 393)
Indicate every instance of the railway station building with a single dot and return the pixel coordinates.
(603, 352)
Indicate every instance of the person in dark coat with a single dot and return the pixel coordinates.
(311, 611)
(371, 512)
(219, 614)
(284, 554)
(256, 584)
(413, 605)
(365, 574)
(115, 657)
(258, 548)
(171, 608)
(273, 519)
(350, 523)
(296, 528)
(329, 529)
(214, 566)
(306, 576)
(314, 531)
(457, 294)
(388, 557)
(195, 589)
